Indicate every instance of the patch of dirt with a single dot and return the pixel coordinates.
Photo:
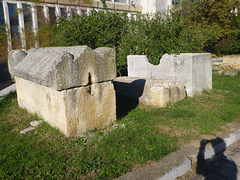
(175, 131)
(150, 164)
(92, 174)
(164, 129)
(191, 174)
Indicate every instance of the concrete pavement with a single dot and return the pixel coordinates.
(224, 166)
(177, 164)
(7, 90)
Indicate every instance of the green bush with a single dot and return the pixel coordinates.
(3, 45)
(95, 30)
(152, 35)
(228, 46)
(217, 20)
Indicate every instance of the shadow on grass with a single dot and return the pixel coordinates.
(124, 106)
(127, 95)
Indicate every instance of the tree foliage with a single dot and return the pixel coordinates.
(219, 20)
(215, 13)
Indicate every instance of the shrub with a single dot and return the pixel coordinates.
(217, 20)
(228, 46)
(152, 35)
(3, 45)
(97, 29)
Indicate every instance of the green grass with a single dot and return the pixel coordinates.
(142, 134)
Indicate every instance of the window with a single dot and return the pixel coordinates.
(1, 16)
(176, 2)
(52, 15)
(27, 17)
(13, 16)
(120, 1)
(136, 2)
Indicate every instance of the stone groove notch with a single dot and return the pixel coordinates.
(63, 68)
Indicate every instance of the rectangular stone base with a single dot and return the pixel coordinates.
(194, 70)
(153, 92)
(73, 111)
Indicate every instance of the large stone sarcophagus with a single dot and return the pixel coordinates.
(69, 87)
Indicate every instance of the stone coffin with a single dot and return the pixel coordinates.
(158, 93)
(69, 87)
(193, 70)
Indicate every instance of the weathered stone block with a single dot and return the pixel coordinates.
(69, 87)
(64, 67)
(193, 70)
(231, 62)
(159, 93)
(15, 57)
(72, 111)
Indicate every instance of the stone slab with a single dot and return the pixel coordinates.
(15, 57)
(35, 123)
(7, 90)
(73, 111)
(62, 68)
(159, 93)
(220, 59)
(231, 72)
(192, 69)
(231, 58)
(231, 62)
(179, 171)
(27, 130)
(217, 63)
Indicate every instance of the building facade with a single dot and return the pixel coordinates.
(16, 16)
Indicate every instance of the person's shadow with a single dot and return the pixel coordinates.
(218, 166)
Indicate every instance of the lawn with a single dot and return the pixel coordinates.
(141, 133)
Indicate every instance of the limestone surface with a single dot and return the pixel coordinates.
(72, 111)
(231, 72)
(231, 62)
(159, 93)
(27, 130)
(191, 69)
(15, 57)
(69, 87)
(62, 68)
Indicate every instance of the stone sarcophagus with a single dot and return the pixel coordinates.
(69, 87)
(194, 70)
